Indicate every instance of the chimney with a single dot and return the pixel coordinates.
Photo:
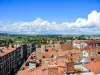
(32, 65)
(97, 50)
(92, 58)
(70, 66)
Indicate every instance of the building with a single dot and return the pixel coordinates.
(11, 58)
(27, 49)
(83, 43)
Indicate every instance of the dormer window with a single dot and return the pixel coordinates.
(46, 50)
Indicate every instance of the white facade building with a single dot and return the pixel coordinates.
(83, 43)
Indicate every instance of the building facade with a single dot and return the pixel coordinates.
(83, 43)
(12, 59)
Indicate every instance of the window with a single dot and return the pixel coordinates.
(9, 67)
(10, 59)
(12, 65)
(9, 54)
(4, 64)
(98, 52)
(0, 66)
(7, 62)
(98, 44)
(43, 56)
(5, 57)
(2, 72)
(5, 70)
(13, 52)
(0, 59)
(84, 53)
(46, 50)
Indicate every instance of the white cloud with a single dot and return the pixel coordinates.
(82, 25)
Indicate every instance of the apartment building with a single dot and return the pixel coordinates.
(11, 59)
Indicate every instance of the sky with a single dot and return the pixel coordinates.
(50, 16)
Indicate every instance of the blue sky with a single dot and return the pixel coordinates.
(59, 11)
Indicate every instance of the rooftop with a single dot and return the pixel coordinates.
(66, 46)
(87, 41)
(5, 50)
(93, 67)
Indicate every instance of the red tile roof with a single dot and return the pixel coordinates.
(87, 41)
(93, 67)
(36, 71)
(66, 46)
(75, 51)
(91, 48)
(60, 70)
(97, 58)
(69, 51)
(47, 54)
(62, 52)
(61, 62)
(6, 51)
(89, 51)
(53, 71)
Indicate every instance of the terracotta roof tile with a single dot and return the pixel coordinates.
(47, 54)
(56, 48)
(62, 52)
(87, 41)
(97, 58)
(66, 46)
(6, 51)
(61, 62)
(93, 67)
(60, 70)
(89, 51)
(37, 71)
(53, 71)
(69, 51)
(91, 48)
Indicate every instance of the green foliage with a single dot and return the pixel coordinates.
(42, 39)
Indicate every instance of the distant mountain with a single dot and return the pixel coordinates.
(3, 33)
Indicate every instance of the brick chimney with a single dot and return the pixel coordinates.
(70, 66)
